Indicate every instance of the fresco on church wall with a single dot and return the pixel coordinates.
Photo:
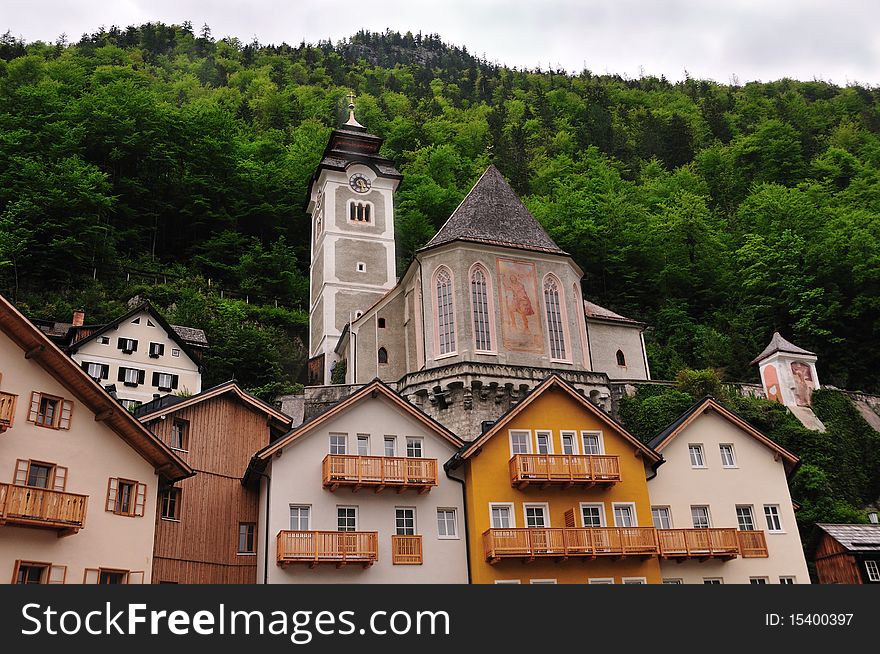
(521, 327)
(803, 383)
(771, 384)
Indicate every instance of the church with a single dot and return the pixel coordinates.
(486, 310)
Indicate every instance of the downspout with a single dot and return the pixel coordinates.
(589, 343)
(266, 537)
(645, 354)
(467, 538)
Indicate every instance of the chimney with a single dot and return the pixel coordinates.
(79, 317)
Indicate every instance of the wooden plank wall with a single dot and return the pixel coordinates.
(834, 564)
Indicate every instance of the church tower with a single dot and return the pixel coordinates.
(351, 205)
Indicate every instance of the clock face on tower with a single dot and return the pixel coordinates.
(359, 183)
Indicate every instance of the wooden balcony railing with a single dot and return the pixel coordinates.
(564, 469)
(752, 544)
(7, 410)
(39, 507)
(562, 543)
(698, 543)
(316, 547)
(406, 550)
(379, 472)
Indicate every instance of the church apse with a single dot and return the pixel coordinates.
(521, 326)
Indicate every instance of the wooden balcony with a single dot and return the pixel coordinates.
(561, 544)
(379, 472)
(701, 544)
(7, 410)
(564, 469)
(24, 506)
(317, 547)
(752, 544)
(406, 550)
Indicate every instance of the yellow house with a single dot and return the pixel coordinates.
(556, 492)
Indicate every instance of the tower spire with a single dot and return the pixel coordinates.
(352, 121)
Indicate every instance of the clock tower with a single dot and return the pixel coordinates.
(351, 205)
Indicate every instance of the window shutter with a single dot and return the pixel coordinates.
(91, 576)
(57, 574)
(66, 413)
(112, 485)
(35, 406)
(161, 348)
(569, 519)
(21, 472)
(141, 376)
(134, 346)
(105, 371)
(60, 478)
(174, 381)
(121, 375)
(84, 365)
(136, 577)
(155, 379)
(140, 499)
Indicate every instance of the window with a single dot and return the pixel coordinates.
(758, 581)
(872, 518)
(175, 352)
(445, 312)
(673, 582)
(300, 517)
(507, 581)
(538, 582)
(164, 381)
(873, 570)
(104, 340)
(127, 345)
(727, 458)
(536, 516)
(96, 371)
(380, 323)
(593, 515)
(553, 309)
(361, 266)
(621, 359)
(390, 445)
(502, 516)
(130, 405)
(109, 576)
(32, 572)
(405, 521)
(414, 448)
(126, 497)
(136, 321)
(480, 295)
(745, 519)
(338, 443)
(39, 474)
(360, 212)
(346, 518)
(113, 577)
(520, 442)
(150, 323)
(592, 442)
(771, 512)
(700, 517)
(544, 442)
(363, 444)
(569, 444)
(660, 515)
(50, 411)
(712, 581)
(247, 538)
(131, 376)
(599, 581)
(156, 350)
(624, 515)
(169, 504)
(634, 581)
(696, 452)
(447, 523)
(789, 581)
(179, 434)
(382, 356)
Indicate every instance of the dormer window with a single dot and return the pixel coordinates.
(360, 212)
(127, 345)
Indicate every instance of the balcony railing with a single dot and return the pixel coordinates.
(752, 544)
(25, 506)
(406, 550)
(698, 543)
(379, 472)
(7, 410)
(317, 547)
(564, 469)
(562, 543)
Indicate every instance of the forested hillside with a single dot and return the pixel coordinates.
(160, 161)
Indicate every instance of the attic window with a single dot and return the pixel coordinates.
(104, 340)
(381, 323)
(361, 266)
(621, 359)
(136, 321)
(150, 323)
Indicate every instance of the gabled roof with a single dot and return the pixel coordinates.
(554, 381)
(164, 324)
(230, 387)
(66, 371)
(371, 390)
(661, 440)
(779, 344)
(855, 538)
(493, 213)
(593, 311)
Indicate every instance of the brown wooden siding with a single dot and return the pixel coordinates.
(190, 572)
(834, 564)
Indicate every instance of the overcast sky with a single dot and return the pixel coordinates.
(836, 40)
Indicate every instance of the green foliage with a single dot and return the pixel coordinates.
(651, 410)
(700, 383)
(338, 374)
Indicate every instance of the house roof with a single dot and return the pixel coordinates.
(554, 381)
(594, 312)
(855, 538)
(779, 344)
(661, 440)
(149, 412)
(371, 390)
(493, 213)
(67, 372)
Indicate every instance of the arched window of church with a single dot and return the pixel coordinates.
(382, 356)
(555, 325)
(360, 212)
(481, 309)
(445, 311)
(621, 359)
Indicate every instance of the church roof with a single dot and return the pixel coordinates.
(779, 344)
(493, 213)
(592, 310)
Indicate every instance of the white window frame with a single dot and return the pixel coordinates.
(336, 434)
(308, 509)
(573, 435)
(558, 322)
(791, 580)
(357, 517)
(713, 581)
(489, 306)
(388, 438)
(360, 267)
(751, 511)
(539, 582)
(413, 440)
(175, 352)
(632, 508)
(415, 522)
(545, 508)
(363, 438)
(170, 380)
(759, 581)
(545, 433)
(528, 435)
(668, 517)
(600, 437)
(778, 516)
(708, 515)
(510, 512)
(732, 463)
(673, 581)
(699, 447)
(597, 581)
(633, 581)
(454, 512)
(593, 505)
(873, 570)
(99, 366)
(506, 582)
(128, 372)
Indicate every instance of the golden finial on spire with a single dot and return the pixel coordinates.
(352, 121)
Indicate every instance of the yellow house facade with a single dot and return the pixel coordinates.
(556, 492)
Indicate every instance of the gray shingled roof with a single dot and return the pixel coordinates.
(191, 335)
(593, 310)
(856, 538)
(779, 344)
(493, 213)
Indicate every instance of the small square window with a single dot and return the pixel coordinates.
(381, 323)
(361, 266)
(175, 352)
(104, 340)
(247, 538)
(169, 501)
